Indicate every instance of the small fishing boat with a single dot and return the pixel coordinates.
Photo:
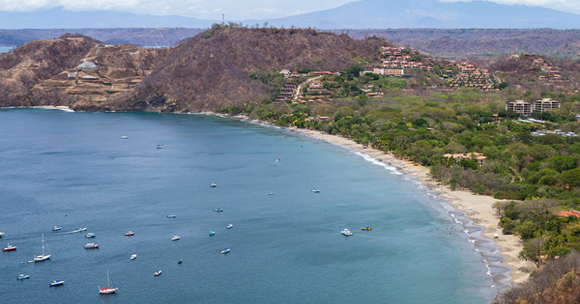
(271, 193)
(91, 246)
(211, 233)
(56, 228)
(230, 226)
(23, 276)
(315, 190)
(124, 137)
(160, 146)
(90, 235)
(180, 261)
(130, 233)
(226, 250)
(346, 232)
(56, 283)
(175, 238)
(133, 256)
(44, 256)
(157, 273)
(171, 216)
(213, 185)
(1, 234)
(218, 210)
(10, 248)
(366, 228)
(108, 290)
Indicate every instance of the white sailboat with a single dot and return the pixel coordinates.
(108, 289)
(44, 256)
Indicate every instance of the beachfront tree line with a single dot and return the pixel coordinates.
(540, 174)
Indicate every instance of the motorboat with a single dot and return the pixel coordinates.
(180, 261)
(56, 283)
(175, 238)
(56, 228)
(171, 216)
(213, 185)
(23, 276)
(124, 137)
(1, 234)
(130, 233)
(90, 235)
(44, 256)
(108, 290)
(366, 228)
(315, 191)
(230, 226)
(271, 193)
(82, 229)
(160, 146)
(211, 233)
(157, 273)
(218, 210)
(91, 246)
(133, 256)
(346, 232)
(10, 248)
(226, 250)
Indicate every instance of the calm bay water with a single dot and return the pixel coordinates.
(6, 49)
(74, 170)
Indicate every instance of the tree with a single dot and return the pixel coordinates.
(571, 177)
(532, 251)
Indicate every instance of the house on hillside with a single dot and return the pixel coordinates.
(87, 65)
(475, 156)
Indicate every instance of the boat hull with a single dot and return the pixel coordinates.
(107, 290)
(41, 258)
(56, 283)
(10, 249)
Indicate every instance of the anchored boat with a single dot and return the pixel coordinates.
(108, 290)
(43, 256)
(56, 283)
(10, 248)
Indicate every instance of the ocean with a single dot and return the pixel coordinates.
(73, 170)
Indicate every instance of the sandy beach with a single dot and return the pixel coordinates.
(478, 208)
(52, 107)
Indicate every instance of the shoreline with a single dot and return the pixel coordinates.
(477, 208)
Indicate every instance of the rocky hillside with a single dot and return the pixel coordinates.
(70, 69)
(207, 72)
(213, 69)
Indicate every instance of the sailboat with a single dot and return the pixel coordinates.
(107, 290)
(44, 256)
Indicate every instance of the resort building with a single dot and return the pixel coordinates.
(546, 104)
(524, 108)
(476, 156)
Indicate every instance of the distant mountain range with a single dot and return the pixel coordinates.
(382, 14)
(59, 18)
(365, 14)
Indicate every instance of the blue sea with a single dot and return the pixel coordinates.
(73, 170)
(6, 49)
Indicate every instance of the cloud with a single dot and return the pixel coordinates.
(204, 9)
(572, 6)
(235, 9)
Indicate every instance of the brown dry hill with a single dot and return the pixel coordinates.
(206, 72)
(72, 68)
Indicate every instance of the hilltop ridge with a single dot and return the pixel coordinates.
(214, 69)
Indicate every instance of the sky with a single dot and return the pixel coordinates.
(233, 9)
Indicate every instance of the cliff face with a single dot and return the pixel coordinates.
(205, 72)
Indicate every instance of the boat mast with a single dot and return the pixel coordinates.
(43, 244)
